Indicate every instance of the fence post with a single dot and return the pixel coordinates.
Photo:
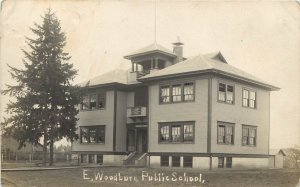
(2, 157)
(29, 157)
(67, 157)
(16, 156)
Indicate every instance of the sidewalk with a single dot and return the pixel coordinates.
(46, 168)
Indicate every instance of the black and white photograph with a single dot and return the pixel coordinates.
(150, 93)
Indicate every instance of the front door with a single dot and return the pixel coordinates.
(142, 141)
(131, 140)
(137, 140)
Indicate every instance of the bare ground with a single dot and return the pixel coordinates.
(75, 177)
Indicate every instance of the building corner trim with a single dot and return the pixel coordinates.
(115, 120)
(209, 120)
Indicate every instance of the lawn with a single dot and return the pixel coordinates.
(140, 177)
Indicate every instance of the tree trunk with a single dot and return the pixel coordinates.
(51, 152)
(45, 148)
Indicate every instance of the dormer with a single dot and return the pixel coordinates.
(149, 59)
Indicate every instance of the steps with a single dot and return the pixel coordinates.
(131, 161)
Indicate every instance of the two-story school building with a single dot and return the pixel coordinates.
(169, 111)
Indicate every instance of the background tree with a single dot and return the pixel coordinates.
(293, 156)
(44, 103)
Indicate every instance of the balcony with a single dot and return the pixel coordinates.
(136, 112)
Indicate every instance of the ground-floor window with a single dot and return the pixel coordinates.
(91, 158)
(175, 161)
(188, 161)
(83, 158)
(99, 159)
(228, 162)
(220, 162)
(164, 161)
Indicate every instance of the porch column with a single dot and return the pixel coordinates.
(152, 62)
(135, 139)
(136, 67)
(132, 67)
(156, 63)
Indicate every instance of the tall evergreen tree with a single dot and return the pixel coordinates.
(44, 103)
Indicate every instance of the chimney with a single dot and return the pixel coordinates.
(178, 50)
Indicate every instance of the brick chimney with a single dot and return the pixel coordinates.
(178, 50)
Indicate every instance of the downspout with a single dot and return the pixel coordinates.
(148, 112)
(115, 121)
(209, 121)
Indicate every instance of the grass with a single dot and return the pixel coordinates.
(75, 177)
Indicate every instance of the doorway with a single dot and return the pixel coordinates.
(137, 140)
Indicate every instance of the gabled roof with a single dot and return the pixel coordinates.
(214, 62)
(118, 76)
(152, 48)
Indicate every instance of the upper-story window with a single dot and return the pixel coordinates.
(177, 93)
(93, 101)
(101, 100)
(249, 98)
(85, 103)
(249, 135)
(92, 134)
(226, 93)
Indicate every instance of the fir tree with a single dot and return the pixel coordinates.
(43, 109)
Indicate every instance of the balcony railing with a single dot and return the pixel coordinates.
(136, 112)
(142, 73)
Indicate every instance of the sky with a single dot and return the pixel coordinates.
(259, 37)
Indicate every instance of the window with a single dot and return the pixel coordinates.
(225, 133)
(99, 159)
(91, 158)
(226, 93)
(164, 161)
(165, 94)
(188, 161)
(93, 102)
(175, 161)
(188, 133)
(249, 99)
(228, 162)
(176, 132)
(249, 135)
(220, 162)
(92, 134)
(101, 100)
(177, 93)
(188, 91)
(85, 103)
(83, 158)
(164, 133)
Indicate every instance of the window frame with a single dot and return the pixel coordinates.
(186, 164)
(248, 99)
(226, 125)
(249, 127)
(99, 159)
(177, 163)
(226, 90)
(182, 94)
(181, 124)
(101, 127)
(161, 158)
(223, 162)
(88, 104)
(228, 163)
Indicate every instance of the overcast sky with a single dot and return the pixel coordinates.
(262, 38)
